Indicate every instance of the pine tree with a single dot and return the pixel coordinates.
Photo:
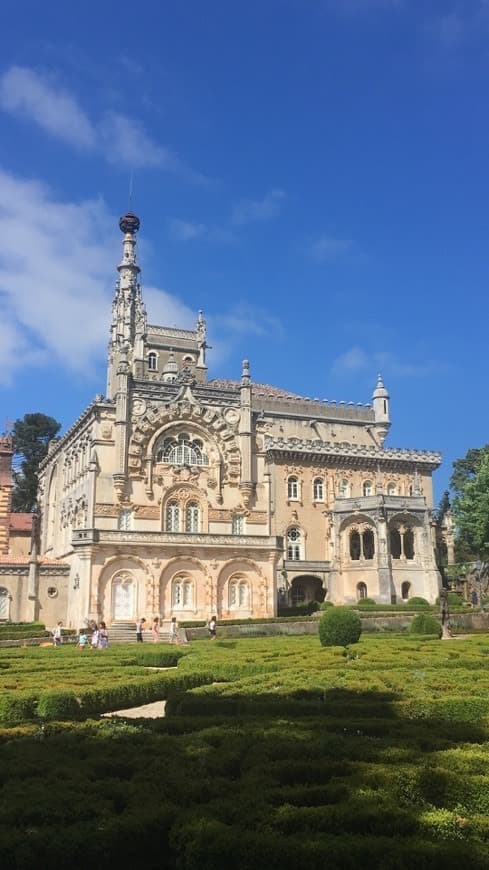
(32, 434)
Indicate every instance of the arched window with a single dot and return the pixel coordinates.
(238, 593)
(181, 450)
(4, 604)
(355, 545)
(361, 590)
(344, 489)
(405, 590)
(124, 521)
(182, 593)
(409, 544)
(152, 362)
(123, 596)
(395, 541)
(172, 517)
(318, 489)
(368, 488)
(294, 544)
(368, 543)
(238, 524)
(292, 488)
(192, 517)
(392, 489)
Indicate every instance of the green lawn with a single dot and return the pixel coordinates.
(275, 753)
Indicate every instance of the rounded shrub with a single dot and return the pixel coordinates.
(453, 599)
(339, 626)
(325, 605)
(366, 602)
(425, 623)
(417, 601)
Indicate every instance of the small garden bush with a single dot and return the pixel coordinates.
(366, 602)
(425, 623)
(339, 627)
(417, 601)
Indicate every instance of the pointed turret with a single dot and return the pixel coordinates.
(128, 312)
(381, 409)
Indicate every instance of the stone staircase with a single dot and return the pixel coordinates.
(125, 632)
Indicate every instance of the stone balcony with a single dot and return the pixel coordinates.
(89, 537)
(397, 503)
(305, 566)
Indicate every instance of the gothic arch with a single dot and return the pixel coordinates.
(207, 423)
(184, 493)
(242, 570)
(129, 572)
(183, 567)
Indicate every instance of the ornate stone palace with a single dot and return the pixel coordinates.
(183, 496)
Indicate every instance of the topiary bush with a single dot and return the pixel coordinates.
(425, 623)
(58, 704)
(339, 627)
(325, 605)
(417, 601)
(366, 602)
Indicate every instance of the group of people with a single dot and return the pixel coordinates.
(155, 629)
(99, 638)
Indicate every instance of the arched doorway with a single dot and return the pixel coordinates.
(123, 596)
(4, 604)
(305, 589)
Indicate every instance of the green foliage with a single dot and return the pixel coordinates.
(471, 510)
(19, 630)
(453, 598)
(17, 707)
(325, 605)
(339, 627)
(425, 623)
(443, 507)
(418, 601)
(32, 434)
(366, 602)
(60, 704)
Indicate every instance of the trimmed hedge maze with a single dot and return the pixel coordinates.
(275, 753)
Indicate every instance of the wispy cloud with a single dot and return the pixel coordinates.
(119, 138)
(357, 359)
(328, 248)
(23, 92)
(246, 319)
(250, 210)
(189, 231)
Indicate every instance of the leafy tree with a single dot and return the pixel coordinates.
(32, 434)
(443, 507)
(464, 469)
(471, 511)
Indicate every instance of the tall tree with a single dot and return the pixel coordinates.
(464, 469)
(443, 507)
(471, 511)
(32, 434)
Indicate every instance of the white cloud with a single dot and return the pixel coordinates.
(328, 248)
(163, 308)
(24, 92)
(251, 210)
(246, 319)
(126, 141)
(121, 139)
(189, 231)
(56, 280)
(357, 359)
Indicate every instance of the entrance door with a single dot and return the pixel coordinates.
(123, 599)
(4, 604)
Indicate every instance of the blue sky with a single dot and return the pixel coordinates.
(311, 173)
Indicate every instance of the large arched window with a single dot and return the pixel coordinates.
(392, 489)
(318, 489)
(152, 362)
(182, 593)
(181, 450)
(395, 542)
(294, 544)
(238, 593)
(173, 516)
(368, 544)
(123, 596)
(409, 544)
(192, 517)
(368, 488)
(355, 545)
(292, 488)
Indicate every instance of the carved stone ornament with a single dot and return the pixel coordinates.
(106, 431)
(138, 407)
(232, 416)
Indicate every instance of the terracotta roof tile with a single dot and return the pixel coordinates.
(21, 522)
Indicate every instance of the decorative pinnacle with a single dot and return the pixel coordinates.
(245, 372)
(129, 223)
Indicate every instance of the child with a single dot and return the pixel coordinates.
(213, 627)
(57, 634)
(95, 638)
(139, 629)
(174, 630)
(82, 640)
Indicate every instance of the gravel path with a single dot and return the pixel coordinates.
(156, 710)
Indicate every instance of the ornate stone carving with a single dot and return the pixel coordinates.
(147, 512)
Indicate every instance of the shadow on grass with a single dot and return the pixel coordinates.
(333, 779)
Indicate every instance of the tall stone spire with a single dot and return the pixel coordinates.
(129, 323)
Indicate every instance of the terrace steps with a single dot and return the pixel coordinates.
(125, 632)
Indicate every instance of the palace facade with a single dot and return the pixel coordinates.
(179, 495)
